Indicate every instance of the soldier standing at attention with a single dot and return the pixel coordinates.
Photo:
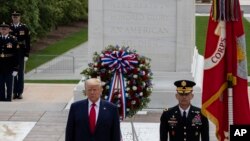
(21, 32)
(184, 122)
(8, 62)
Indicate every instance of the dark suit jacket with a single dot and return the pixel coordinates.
(107, 126)
(173, 126)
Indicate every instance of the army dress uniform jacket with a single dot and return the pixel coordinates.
(172, 125)
(22, 34)
(8, 54)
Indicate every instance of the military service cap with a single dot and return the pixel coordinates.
(15, 13)
(184, 86)
(4, 25)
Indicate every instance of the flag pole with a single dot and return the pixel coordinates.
(230, 106)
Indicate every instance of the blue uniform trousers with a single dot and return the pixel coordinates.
(19, 79)
(6, 82)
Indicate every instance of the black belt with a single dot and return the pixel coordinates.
(5, 55)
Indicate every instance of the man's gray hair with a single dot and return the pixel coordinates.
(93, 81)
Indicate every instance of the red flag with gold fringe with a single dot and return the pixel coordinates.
(236, 42)
(225, 61)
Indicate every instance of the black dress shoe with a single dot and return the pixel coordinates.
(20, 97)
(15, 96)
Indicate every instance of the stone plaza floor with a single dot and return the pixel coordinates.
(42, 116)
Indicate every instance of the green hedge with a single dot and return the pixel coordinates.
(44, 15)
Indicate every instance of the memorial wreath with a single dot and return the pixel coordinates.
(127, 78)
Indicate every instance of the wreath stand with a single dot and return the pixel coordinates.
(134, 135)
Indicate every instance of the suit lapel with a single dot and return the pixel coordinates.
(177, 113)
(100, 114)
(86, 114)
(191, 114)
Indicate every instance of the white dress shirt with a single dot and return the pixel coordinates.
(187, 110)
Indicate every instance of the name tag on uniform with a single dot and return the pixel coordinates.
(21, 33)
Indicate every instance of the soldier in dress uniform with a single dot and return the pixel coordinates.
(8, 62)
(184, 122)
(21, 32)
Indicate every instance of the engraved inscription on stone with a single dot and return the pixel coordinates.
(145, 25)
(159, 29)
(136, 4)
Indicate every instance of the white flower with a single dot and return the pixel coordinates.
(107, 87)
(118, 105)
(133, 102)
(149, 89)
(101, 55)
(128, 89)
(135, 76)
(95, 69)
(141, 65)
(128, 109)
(128, 82)
(141, 94)
(134, 88)
(126, 94)
(143, 84)
(106, 97)
(95, 64)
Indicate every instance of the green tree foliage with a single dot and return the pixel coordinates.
(73, 9)
(43, 15)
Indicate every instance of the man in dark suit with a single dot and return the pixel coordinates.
(93, 119)
(22, 34)
(184, 122)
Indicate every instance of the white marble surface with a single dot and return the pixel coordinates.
(150, 131)
(14, 131)
(161, 30)
(17, 131)
(144, 131)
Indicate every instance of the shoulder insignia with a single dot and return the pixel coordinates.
(166, 109)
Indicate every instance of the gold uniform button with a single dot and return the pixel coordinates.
(185, 133)
(185, 127)
(185, 139)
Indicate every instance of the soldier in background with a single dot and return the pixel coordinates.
(184, 122)
(21, 32)
(8, 62)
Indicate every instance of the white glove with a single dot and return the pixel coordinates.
(26, 59)
(14, 73)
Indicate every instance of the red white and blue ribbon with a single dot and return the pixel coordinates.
(120, 62)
